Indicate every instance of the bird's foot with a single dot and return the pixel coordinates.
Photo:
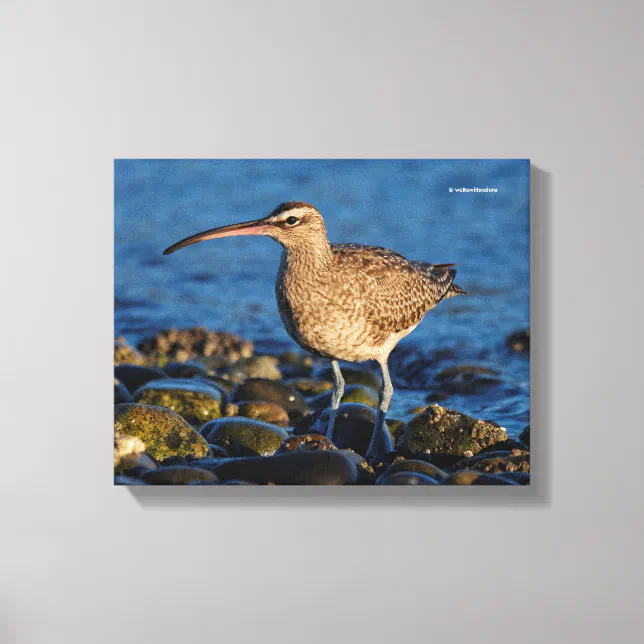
(381, 441)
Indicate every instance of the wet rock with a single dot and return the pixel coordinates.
(275, 392)
(414, 465)
(309, 387)
(295, 468)
(121, 394)
(444, 432)
(265, 411)
(125, 354)
(521, 478)
(255, 367)
(472, 477)
(366, 473)
(217, 451)
(524, 436)
(244, 436)
(121, 479)
(308, 442)
(194, 401)
(397, 427)
(352, 393)
(353, 428)
(173, 460)
(496, 464)
(519, 341)
(185, 370)
(406, 478)
(163, 432)
(185, 344)
(222, 382)
(236, 482)
(296, 364)
(467, 379)
(353, 376)
(178, 475)
(134, 376)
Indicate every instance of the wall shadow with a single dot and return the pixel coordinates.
(538, 494)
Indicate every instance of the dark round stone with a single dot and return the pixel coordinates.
(406, 478)
(275, 392)
(244, 437)
(135, 376)
(178, 475)
(414, 465)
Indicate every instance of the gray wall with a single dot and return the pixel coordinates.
(84, 82)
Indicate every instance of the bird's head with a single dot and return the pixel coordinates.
(293, 224)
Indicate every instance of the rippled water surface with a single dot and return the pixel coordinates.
(407, 206)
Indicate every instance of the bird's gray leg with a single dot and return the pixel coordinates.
(381, 442)
(336, 397)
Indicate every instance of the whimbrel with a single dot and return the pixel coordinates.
(344, 301)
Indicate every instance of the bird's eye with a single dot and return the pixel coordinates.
(291, 221)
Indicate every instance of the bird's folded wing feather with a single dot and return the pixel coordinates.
(395, 292)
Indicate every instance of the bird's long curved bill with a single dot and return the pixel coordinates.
(247, 228)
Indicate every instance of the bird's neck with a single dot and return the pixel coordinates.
(314, 256)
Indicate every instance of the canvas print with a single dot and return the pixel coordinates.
(322, 322)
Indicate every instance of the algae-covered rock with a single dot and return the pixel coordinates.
(135, 376)
(310, 387)
(163, 432)
(414, 465)
(275, 392)
(406, 478)
(185, 344)
(244, 436)
(441, 431)
(178, 475)
(121, 394)
(352, 393)
(125, 354)
(353, 376)
(497, 463)
(295, 468)
(265, 411)
(194, 401)
(472, 477)
(353, 428)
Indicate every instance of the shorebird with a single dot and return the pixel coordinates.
(344, 301)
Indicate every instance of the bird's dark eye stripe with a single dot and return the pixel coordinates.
(292, 220)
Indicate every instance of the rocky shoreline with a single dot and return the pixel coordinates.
(196, 407)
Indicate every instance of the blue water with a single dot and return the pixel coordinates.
(404, 205)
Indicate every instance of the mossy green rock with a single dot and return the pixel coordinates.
(267, 412)
(135, 376)
(353, 376)
(163, 432)
(295, 468)
(178, 475)
(194, 401)
(275, 392)
(352, 393)
(255, 367)
(244, 436)
(438, 430)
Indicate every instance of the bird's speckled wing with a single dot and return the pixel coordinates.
(395, 293)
